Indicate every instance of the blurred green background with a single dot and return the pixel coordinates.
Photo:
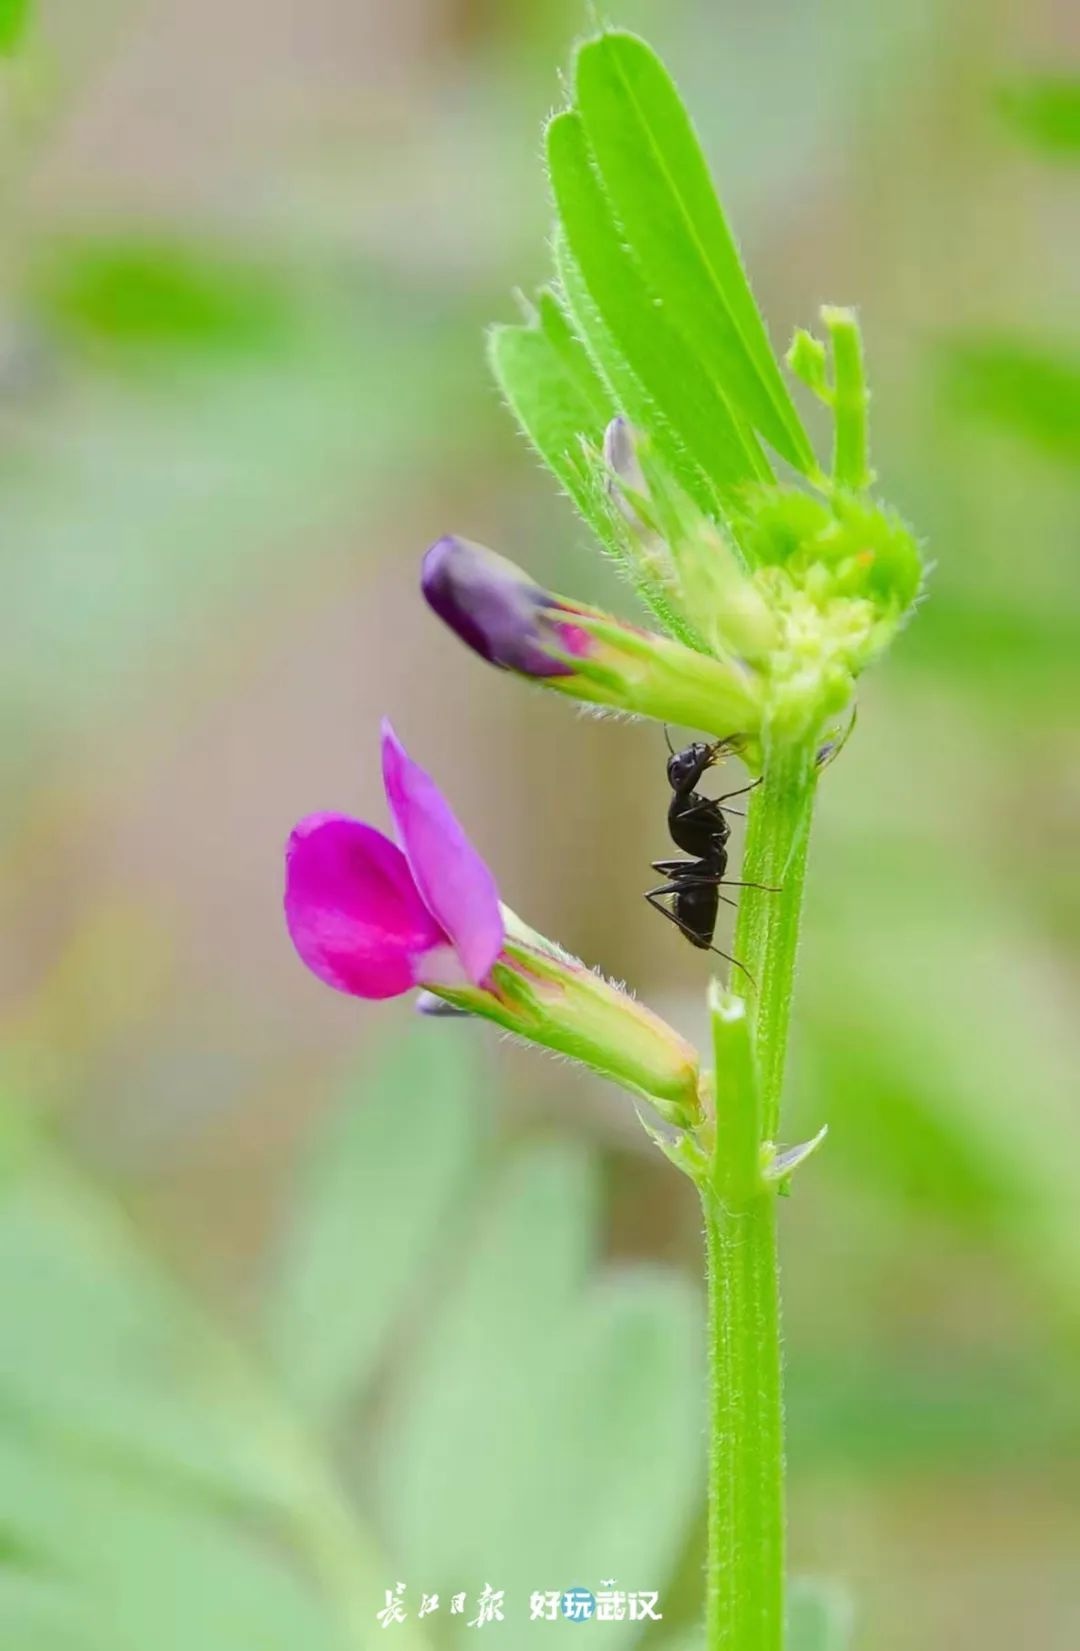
(302, 1298)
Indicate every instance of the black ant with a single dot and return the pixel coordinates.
(699, 826)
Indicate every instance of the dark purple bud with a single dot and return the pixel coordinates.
(495, 608)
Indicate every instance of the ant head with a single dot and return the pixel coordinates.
(686, 767)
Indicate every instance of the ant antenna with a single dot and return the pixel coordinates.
(667, 736)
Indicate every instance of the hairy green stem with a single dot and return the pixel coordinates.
(767, 930)
(746, 1526)
(745, 1567)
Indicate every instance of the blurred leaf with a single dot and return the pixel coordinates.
(967, 1057)
(649, 158)
(694, 406)
(558, 399)
(619, 1471)
(101, 1349)
(14, 18)
(882, 1409)
(143, 509)
(154, 1571)
(138, 292)
(374, 1206)
(1045, 110)
(130, 1426)
(39, 1612)
(1031, 392)
(550, 1432)
(464, 1416)
(820, 1616)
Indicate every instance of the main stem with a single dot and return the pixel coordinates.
(767, 930)
(746, 1528)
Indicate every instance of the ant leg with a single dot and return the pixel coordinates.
(766, 888)
(742, 793)
(668, 867)
(702, 806)
(707, 803)
(653, 897)
(700, 880)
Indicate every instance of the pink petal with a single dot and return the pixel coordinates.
(353, 910)
(456, 885)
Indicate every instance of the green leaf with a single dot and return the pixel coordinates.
(549, 1423)
(162, 489)
(695, 407)
(653, 169)
(820, 1616)
(108, 1353)
(559, 400)
(1046, 111)
(155, 1570)
(39, 1612)
(956, 1029)
(128, 1423)
(14, 18)
(619, 1470)
(452, 1454)
(139, 292)
(857, 1407)
(374, 1206)
(558, 395)
(629, 393)
(1030, 391)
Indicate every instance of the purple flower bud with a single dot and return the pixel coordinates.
(497, 610)
(512, 622)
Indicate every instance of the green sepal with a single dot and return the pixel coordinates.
(681, 1149)
(778, 1166)
(540, 993)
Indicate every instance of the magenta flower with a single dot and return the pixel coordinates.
(374, 919)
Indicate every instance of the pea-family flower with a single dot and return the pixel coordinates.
(377, 918)
(514, 623)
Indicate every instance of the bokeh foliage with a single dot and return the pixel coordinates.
(444, 1341)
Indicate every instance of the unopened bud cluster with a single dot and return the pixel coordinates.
(792, 597)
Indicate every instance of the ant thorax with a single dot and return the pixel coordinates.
(700, 828)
